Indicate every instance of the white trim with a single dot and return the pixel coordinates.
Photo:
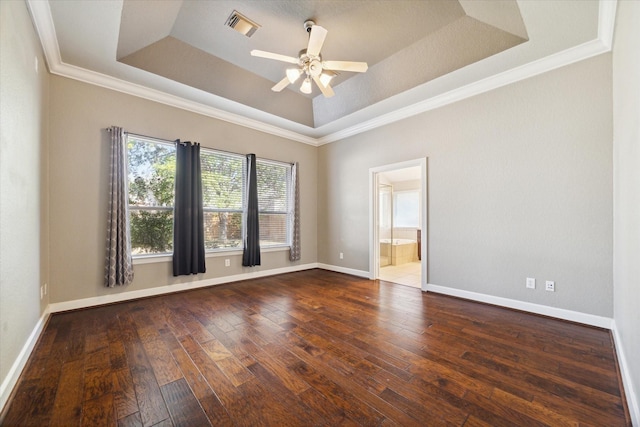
(345, 270)
(168, 289)
(625, 373)
(152, 259)
(374, 232)
(43, 21)
(14, 373)
(607, 21)
(103, 80)
(559, 313)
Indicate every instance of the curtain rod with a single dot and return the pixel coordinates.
(216, 149)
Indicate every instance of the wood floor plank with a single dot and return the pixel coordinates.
(97, 374)
(124, 395)
(183, 406)
(99, 412)
(215, 350)
(286, 397)
(18, 409)
(234, 370)
(164, 367)
(231, 397)
(132, 420)
(212, 406)
(67, 409)
(280, 371)
(150, 401)
(316, 348)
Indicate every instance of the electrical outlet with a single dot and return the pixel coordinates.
(41, 292)
(46, 289)
(531, 283)
(550, 286)
(341, 255)
(227, 262)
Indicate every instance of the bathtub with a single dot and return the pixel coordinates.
(398, 251)
(397, 242)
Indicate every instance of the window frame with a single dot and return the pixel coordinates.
(289, 202)
(211, 151)
(130, 208)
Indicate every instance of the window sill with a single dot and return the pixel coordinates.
(152, 259)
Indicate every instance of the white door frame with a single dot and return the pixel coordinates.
(374, 238)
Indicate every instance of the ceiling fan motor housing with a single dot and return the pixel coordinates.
(315, 68)
(308, 24)
(312, 65)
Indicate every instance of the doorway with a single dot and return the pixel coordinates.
(398, 223)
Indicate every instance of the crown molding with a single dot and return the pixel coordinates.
(119, 85)
(606, 22)
(43, 22)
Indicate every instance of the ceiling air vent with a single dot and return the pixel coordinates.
(242, 24)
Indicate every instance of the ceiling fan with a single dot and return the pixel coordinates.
(311, 64)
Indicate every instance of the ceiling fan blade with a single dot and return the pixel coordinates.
(281, 84)
(327, 91)
(356, 67)
(276, 56)
(316, 39)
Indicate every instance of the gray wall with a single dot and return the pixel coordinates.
(78, 180)
(626, 203)
(519, 185)
(23, 170)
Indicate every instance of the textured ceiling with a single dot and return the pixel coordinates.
(422, 54)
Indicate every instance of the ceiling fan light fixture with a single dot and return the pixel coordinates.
(293, 74)
(306, 86)
(326, 77)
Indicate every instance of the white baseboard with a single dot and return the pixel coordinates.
(13, 375)
(345, 270)
(629, 391)
(559, 313)
(161, 290)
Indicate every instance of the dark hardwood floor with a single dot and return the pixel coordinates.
(316, 348)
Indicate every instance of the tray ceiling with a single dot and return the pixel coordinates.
(182, 53)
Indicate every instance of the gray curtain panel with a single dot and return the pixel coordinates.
(119, 263)
(188, 214)
(294, 218)
(251, 253)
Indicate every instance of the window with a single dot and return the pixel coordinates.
(274, 179)
(223, 178)
(151, 196)
(406, 208)
(152, 167)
